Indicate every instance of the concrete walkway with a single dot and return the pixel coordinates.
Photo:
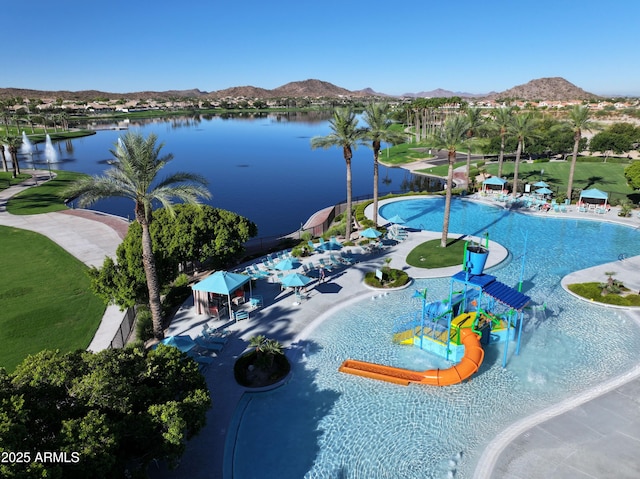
(88, 235)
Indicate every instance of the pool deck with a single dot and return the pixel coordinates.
(594, 434)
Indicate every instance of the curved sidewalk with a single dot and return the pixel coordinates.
(87, 235)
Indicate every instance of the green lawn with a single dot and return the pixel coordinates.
(45, 297)
(607, 177)
(6, 179)
(43, 198)
(431, 255)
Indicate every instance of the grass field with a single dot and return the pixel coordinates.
(431, 255)
(607, 177)
(44, 198)
(45, 297)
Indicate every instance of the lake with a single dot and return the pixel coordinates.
(261, 167)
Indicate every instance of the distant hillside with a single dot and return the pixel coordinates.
(541, 89)
(555, 88)
(440, 93)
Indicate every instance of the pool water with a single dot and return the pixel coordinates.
(326, 424)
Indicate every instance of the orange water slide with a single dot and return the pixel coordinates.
(471, 361)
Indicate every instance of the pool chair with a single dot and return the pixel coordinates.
(337, 262)
(347, 257)
(240, 315)
(326, 265)
(300, 296)
(214, 334)
(309, 269)
(255, 302)
(313, 246)
(334, 243)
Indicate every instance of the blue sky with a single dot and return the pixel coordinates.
(392, 47)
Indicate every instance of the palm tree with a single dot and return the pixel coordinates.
(452, 136)
(346, 135)
(579, 120)
(13, 144)
(134, 176)
(523, 128)
(502, 118)
(474, 120)
(376, 116)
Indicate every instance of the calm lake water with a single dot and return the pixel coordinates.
(262, 168)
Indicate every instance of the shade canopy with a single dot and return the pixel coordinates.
(540, 184)
(370, 233)
(594, 193)
(544, 191)
(183, 342)
(494, 180)
(222, 282)
(295, 279)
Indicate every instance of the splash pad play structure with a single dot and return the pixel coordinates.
(479, 311)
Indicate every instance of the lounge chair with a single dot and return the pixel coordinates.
(334, 243)
(336, 261)
(325, 265)
(309, 269)
(346, 257)
(214, 344)
(240, 315)
(256, 302)
(313, 246)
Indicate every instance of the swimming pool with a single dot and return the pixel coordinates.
(325, 424)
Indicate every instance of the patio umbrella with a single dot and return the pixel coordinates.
(544, 191)
(287, 264)
(540, 184)
(295, 279)
(370, 233)
(396, 219)
(183, 342)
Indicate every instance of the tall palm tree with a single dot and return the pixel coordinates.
(344, 134)
(134, 175)
(523, 128)
(579, 120)
(453, 136)
(502, 118)
(376, 116)
(474, 120)
(13, 144)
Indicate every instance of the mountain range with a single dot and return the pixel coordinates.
(555, 88)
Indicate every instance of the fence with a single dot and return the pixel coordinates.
(124, 330)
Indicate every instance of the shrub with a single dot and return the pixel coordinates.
(391, 278)
(144, 324)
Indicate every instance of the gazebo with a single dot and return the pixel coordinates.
(595, 195)
(493, 181)
(220, 282)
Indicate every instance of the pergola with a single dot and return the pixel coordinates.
(493, 181)
(220, 282)
(594, 194)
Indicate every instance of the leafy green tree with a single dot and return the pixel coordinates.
(13, 145)
(111, 412)
(344, 134)
(523, 128)
(376, 116)
(452, 137)
(134, 176)
(191, 233)
(632, 174)
(579, 120)
(618, 138)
